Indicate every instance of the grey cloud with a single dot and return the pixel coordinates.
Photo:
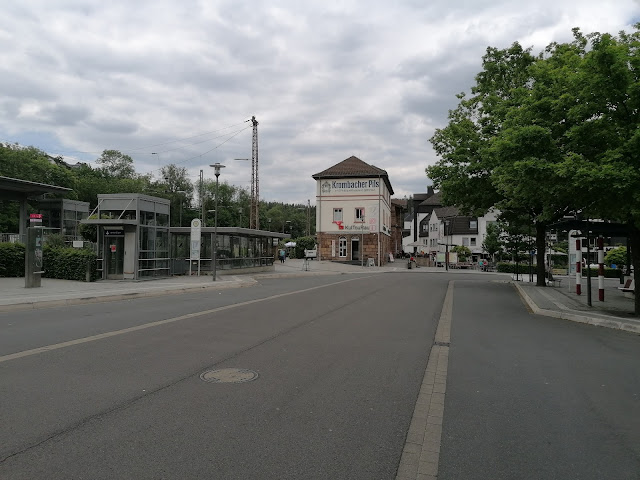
(65, 114)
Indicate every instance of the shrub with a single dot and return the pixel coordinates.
(69, 263)
(608, 272)
(11, 260)
(302, 244)
(55, 240)
(511, 268)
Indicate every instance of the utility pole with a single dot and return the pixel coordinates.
(202, 197)
(254, 214)
(308, 217)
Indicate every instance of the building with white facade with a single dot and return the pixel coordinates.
(436, 228)
(354, 214)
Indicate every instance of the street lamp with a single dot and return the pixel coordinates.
(217, 166)
(182, 192)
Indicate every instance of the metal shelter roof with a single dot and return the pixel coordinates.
(16, 189)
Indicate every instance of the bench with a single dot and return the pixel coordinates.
(556, 282)
(629, 288)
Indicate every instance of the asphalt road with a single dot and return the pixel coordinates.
(340, 361)
(340, 364)
(533, 397)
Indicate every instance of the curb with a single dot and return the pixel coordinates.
(573, 317)
(16, 307)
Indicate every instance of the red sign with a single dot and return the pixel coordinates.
(113, 248)
(35, 215)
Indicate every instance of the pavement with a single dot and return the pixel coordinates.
(558, 301)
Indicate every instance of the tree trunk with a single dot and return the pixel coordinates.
(541, 246)
(634, 241)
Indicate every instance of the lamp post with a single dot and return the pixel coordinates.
(182, 192)
(217, 166)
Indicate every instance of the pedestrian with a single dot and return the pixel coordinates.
(282, 254)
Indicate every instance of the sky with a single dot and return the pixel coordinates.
(177, 82)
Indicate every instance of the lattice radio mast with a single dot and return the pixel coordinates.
(254, 214)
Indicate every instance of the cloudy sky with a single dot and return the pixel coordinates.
(176, 81)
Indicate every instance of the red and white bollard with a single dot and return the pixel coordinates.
(601, 269)
(578, 266)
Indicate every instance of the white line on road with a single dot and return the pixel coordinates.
(93, 338)
(421, 453)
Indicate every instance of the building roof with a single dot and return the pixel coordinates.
(435, 199)
(354, 167)
(446, 212)
(351, 167)
(16, 188)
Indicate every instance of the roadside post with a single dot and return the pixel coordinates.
(33, 258)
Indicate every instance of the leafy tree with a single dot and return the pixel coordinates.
(616, 256)
(492, 243)
(463, 252)
(116, 164)
(606, 136)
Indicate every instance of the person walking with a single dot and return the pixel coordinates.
(282, 254)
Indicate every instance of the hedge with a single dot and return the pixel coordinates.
(511, 268)
(69, 263)
(11, 260)
(63, 263)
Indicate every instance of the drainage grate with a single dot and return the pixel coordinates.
(229, 375)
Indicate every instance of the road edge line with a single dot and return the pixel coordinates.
(421, 453)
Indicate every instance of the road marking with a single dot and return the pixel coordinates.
(93, 338)
(421, 453)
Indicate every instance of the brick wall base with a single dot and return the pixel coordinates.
(369, 250)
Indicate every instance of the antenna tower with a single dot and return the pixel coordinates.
(254, 216)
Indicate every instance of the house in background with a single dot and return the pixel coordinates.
(354, 213)
(436, 228)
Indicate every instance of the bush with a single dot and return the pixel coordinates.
(608, 272)
(511, 268)
(11, 260)
(55, 240)
(302, 244)
(69, 263)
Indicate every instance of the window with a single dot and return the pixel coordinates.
(359, 214)
(465, 241)
(473, 224)
(473, 242)
(337, 214)
(342, 244)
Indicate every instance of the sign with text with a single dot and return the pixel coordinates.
(196, 232)
(350, 186)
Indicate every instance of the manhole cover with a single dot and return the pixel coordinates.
(229, 375)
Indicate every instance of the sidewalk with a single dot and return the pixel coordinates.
(560, 302)
(616, 311)
(52, 293)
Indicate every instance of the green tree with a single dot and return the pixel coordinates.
(616, 256)
(492, 243)
(464, 253)
(114, 163)
(606, 135)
